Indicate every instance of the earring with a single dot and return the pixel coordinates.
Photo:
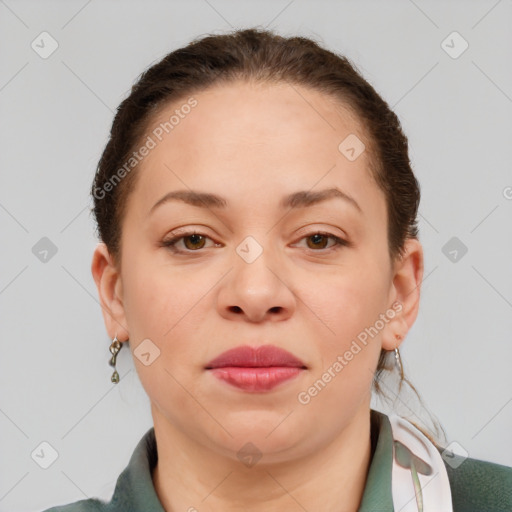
(115, 347)
(398, 359)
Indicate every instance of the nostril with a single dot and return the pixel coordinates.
(275, 309)
(235, 309)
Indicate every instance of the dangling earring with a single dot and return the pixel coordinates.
(398, 359)
(115, 347)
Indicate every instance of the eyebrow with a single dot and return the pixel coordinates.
(300, 199)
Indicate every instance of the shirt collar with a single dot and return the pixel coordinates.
(377, 495)
(135, 490)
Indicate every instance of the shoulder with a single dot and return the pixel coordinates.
(477, 485)
(88, 505)
(134, 488)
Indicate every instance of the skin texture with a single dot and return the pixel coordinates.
(253, 144)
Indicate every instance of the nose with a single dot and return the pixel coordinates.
(256, 291)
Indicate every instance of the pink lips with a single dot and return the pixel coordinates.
(255, 369)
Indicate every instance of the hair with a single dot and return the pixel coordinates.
(264, 57)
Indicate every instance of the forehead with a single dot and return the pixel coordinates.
(251, 115)
(246, 137)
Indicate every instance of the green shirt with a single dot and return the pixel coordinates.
(476, 486)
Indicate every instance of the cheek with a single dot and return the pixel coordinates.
(161, 306)
(349, 352)
(157, 296)
(345, 301)
(167, 306)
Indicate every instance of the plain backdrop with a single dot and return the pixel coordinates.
(455, 104)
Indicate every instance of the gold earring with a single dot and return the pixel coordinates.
(115, 347)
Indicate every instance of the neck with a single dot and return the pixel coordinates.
(191, 477)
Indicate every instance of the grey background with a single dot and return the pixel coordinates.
(55, 116)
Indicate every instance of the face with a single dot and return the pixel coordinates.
(292, 252)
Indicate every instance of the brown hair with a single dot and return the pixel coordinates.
(263, 56)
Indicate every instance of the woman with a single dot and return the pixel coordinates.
(257, 216)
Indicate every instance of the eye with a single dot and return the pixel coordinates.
(191, 241)
(320, 240)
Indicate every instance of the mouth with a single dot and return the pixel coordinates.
(256, 369)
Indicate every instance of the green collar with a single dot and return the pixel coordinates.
(135, 491)
(377, 495)
(134, 488)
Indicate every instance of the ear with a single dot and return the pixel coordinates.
(404, 293)
(110, 291)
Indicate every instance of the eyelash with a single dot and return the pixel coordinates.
(170, 243)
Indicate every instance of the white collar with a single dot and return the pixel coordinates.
(433, 493)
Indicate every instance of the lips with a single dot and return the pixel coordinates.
(256, 369)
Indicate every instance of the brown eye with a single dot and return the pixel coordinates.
(185, 243)
(322, 242)
(318, 241)
(193, 242)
